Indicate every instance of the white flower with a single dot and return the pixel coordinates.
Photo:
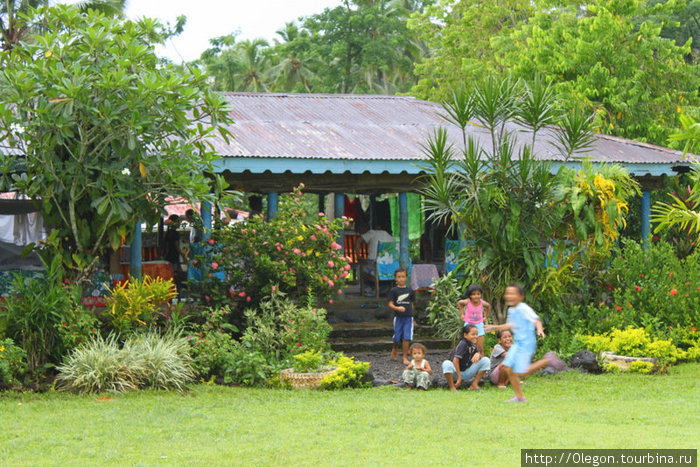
(16, 128)
(126, 171)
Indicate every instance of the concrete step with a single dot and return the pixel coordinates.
(346, 330)
(374, 344)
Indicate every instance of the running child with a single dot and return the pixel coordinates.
(474, 310)
(417, 373)
(401, 299)
(526, 326)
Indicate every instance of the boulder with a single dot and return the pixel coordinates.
(585, 360)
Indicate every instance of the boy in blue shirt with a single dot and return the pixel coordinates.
(525, 326)
(401, 300)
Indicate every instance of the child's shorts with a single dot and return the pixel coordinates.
(518, 359)
(479, 328)
(403, 329)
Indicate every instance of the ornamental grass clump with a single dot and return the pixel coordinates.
(146, 361)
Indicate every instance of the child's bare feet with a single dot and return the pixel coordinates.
(406, 361)
(394, 353)
(474, 388)
(502, 387)
(408, 388)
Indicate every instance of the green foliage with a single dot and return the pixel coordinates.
(308, 361)
(212, 343)
(607, 57)
(135, 303)
(348, 375)
(287, 253)
(633, 342)
(149, 360)
(442, 310)
(104, 129)
(641, 367)
(250, 367)
(45, 317)
(682, 214)
(12, 364)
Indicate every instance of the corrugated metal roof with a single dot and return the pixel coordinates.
(372, 127)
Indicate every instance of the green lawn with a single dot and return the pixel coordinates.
(218, 425)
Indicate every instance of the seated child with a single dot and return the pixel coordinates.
(467, 358)
(497, 376)
(417, 373)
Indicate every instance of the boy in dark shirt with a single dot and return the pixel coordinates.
(401, 300)
(465, 361)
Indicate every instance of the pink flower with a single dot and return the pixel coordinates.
(313, 237)
(686, 295)
(279, 248)
(274, 289)
(241, 294)
(297, 200)
(211, 241)
(347, 267)
(637, 288)
(331, 264)
(320, 214)
(297, 251)
(94, 331)
(601, 304)
(330, 301)
(301, 185)
(247, 299)
(64, 324)
(255, 253)
(281, 229)
(340, 292)
(207, 298)
(687, 283)
(298, 344)
(673, 292)
(214, 265)
(331, 284)
(336, 246)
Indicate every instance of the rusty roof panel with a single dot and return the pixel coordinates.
(371, 127)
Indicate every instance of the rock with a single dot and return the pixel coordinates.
(382, 314)
(368, 377)
(585, 360)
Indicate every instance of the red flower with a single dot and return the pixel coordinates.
(629, 304)
(637, 288)
(64, 324)
(247, 299)
(609, 287)
(641, 275)
(686, 295)
(241, 294)
(655, 238)
(673, 292)
(602, 304)
(298, 344)
(214, 265)
(618, 307)
(211, 241)
(687, 283)
(670, 274)
(693, 329)
(669, 328)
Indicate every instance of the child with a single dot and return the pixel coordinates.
(467, 358)
(417, 373)
(473, 310)
(498, 376)
(401, 300)
(525, 325)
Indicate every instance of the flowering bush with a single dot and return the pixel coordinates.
(298, 257)
(350, 374)
(650, 288)
(212, 344)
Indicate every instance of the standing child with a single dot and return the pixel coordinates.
(417, 373)
(526, 326)
(401, 300)
(467, 359)
(474, 310)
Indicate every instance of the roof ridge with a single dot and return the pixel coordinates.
(318, 95)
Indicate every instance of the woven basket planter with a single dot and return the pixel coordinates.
(305, 380)
(623, 363)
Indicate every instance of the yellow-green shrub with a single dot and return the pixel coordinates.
(641, 367)
(348, 375)
(136, 302)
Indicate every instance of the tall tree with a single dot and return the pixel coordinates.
(103, 129)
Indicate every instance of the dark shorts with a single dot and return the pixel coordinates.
(403, 329)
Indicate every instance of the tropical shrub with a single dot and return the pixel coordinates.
(45, 316)
(212, 344)
(12, 364)
(250, 367)
(135, 303)
(300, 257)
(442, 310)
(149, 360)
(307, 362)
(350, 374)
(634, 342)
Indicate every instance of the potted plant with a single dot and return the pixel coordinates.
(309, 369)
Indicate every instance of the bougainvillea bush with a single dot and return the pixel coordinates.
(302, 258)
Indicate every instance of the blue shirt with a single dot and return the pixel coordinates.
(523, 318)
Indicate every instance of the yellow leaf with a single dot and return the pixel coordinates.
(48, 53)
(612, 127)
(678, 109)
(142, 169)
(639, 37)
(619, 114)
(58, 99)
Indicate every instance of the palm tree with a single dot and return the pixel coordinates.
(291, 69)
(254, 62)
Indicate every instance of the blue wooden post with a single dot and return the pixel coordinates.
(646, 217)
(338, 212)
(403, 230)
(135, 258)
(205, 209)
(272, 203)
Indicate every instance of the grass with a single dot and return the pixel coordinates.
(214, 425)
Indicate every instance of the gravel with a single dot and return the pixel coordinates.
(385, 370)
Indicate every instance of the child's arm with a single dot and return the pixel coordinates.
(410, 366)
(396, 308)
(498, 327)
(487, 310)
(455, 362)
(427, 368)
(461, 304)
